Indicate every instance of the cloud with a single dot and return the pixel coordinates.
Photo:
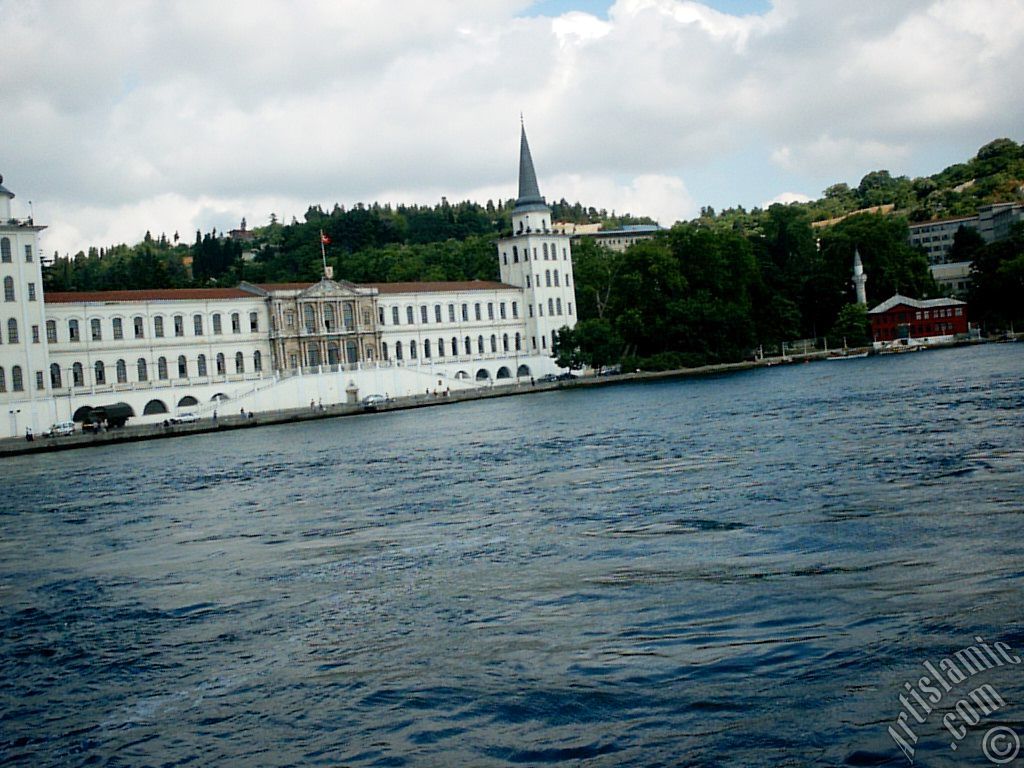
(144, 114)
(785, 198)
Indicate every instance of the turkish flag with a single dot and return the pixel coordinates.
(325, 239)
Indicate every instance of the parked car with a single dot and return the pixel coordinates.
(370, 402)
(61, 429)
(548, 377)
(185, 417)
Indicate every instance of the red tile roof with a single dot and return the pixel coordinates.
(162, 294)
(283, 286)
(430, 287)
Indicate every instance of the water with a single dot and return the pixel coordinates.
(739, 570)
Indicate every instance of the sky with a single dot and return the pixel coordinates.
(176, 115)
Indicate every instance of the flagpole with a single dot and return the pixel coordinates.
(323, 252)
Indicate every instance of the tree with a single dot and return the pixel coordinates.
(592, 342)
(851, 326)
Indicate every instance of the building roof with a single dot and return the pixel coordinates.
(158, 294)
(896, 300)
(436, 287)
(529, 192)
(3, 189)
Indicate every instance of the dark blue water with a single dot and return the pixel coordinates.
(739, 570)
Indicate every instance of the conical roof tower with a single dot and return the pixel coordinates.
(530, 198)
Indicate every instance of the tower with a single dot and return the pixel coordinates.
(859, 278)
(537, 260)
(25, 391)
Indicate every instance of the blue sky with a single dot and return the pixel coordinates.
(658, 108)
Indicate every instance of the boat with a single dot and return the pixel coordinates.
(854, 356)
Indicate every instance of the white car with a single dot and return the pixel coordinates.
(61, 429)
(186, 417)
(372, 401)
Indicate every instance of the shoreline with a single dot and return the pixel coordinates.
(142, 433)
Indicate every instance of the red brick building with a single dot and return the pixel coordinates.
(900, 317)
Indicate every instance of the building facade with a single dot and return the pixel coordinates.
(273, 346)
(902, 319)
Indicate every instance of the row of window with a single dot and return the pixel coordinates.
(327, 320)
(138, 326)
(100, 375)
(550, 279)
(554, 308)
(429, 349)
(548, 253)
(5, 251)
(945, 312)
(9, 290)
(478, 313)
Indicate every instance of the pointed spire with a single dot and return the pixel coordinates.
(529, 192)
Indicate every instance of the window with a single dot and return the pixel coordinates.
(236, 323)
(380, 315)
(551, 307)
(257, 361)
(530, 308)
(437, 313)
(8, 289)
(122, 372)
(412, 349)
(28, 258)
(547, 277)
(3, 381)
(329, 317)
(440, 347)
(451, 313)
(501, 310)
(197, 325)
(568, 308)
(289, 321)
(959, 311)
(467, 346)
(5, 250)
(216, 324)
(545, 248)
(138, 322)
(309, 318)
(480, 344)
(348, 315)
(221, 366)
(351, 351)
(490, 310)
(95, 330)
(200, 365)
(366, 317)
(35, 334)
(555, 276)
(143, 369)
(55, 378)
(239, 363)
(515, 309)
(465, 313)
(118, 328)
(158, 327)
(476, 311)
(183, 367)
(409, 317)
(254, 322)
(519, 343)
(31, 291)
(17, 385)
(394, 315)
(398, 350)
(558, 306)
(51, 331)
(179, 325)
(100, 372)
(161, 368)
(12, 331)
(426, 348)
(384, 350)
(77, 375)
(504, 342)
(515, 255)
(528, 281)
(423, 314)
(494, 343)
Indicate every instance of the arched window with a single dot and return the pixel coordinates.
(197, 324)
(455, 346)
(254, 322)
(5, 250)
(118, 327)
(17, 382)
(143, 369)
(239, 362)
(558, 306)
(179, 325)
(183, 367)
(398, 350)
(426, 348)
(3, 380)
(55, 378)
(545, 251)
(95, 330)
(547, 277)
(519, 343)
(523, 370)
(424, 315)
(480, 344)
(100, 372)
(161, 368)
(12, 331)
(8, 289)
(494, 343)
(437, 313)
(410, 317)
(412, 349)
(51, 331)
(555, 274)
(309, 318)
(221, 367)
(384, 350)
(348, 315)
(440, 347)
(216, 324)
(77, 375)
(200, 365)
(467, 346)
(236, 323)
(312, 355)
(515, 255)
(257, 361)
(352, 351)
(551, 307)
(154, 407)
(504, 342)
(329, 317)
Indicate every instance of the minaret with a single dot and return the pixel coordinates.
(537, 260)
(859, 278)
(5, 202)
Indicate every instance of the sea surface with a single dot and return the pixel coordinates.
(736, 570)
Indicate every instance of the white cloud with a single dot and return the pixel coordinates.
(111, 112)
(785, 198)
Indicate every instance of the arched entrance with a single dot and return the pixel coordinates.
(503, 373)
(154, 407)
(483, 375)
(522, 371)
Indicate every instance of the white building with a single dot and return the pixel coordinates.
(268, 347)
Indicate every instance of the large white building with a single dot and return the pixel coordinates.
(273, 346)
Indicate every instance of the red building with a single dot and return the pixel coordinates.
(928, 320)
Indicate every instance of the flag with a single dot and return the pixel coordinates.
(324, 238)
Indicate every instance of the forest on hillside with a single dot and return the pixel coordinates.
(711, 289)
